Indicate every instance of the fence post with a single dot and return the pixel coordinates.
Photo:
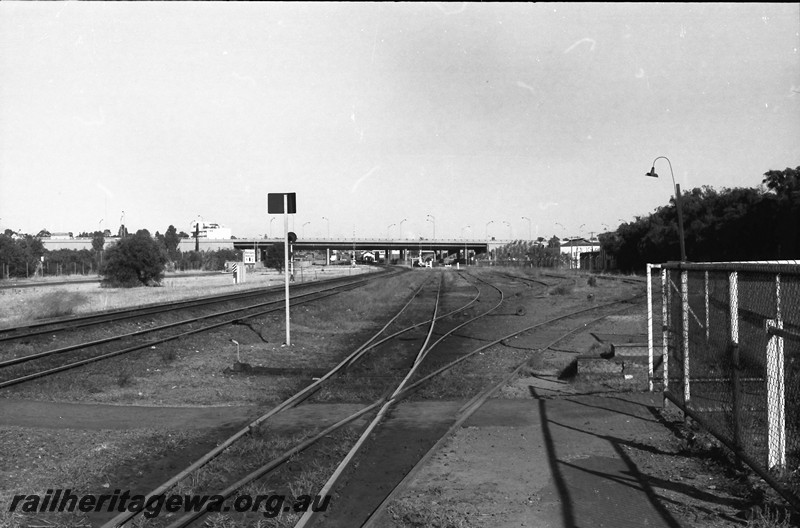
(649, 328)
(707, 316)
(665, 296)
(733, 295)
(685, 335)
(776, 409)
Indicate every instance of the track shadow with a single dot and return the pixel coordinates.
(630, 477)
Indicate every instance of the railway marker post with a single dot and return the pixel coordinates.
(285, 203)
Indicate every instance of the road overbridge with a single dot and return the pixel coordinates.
(405, 247)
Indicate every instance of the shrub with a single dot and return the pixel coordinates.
(562, 289)
(56, 304)
(125, 378)
(592, 281)
(134, 261)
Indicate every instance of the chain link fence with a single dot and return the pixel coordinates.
(724, 343)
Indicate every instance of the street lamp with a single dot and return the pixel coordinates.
(653, 174)
(270, 226)
(401, 227)
(388, 232)
(510, 231)
(466, 259)
(304, 229)
(487, 228)
(432, 219)
(530, 237)
(329, 227)
(434, 224)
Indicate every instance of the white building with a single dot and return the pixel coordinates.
(577, 246)
(210, 230)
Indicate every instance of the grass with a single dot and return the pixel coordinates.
(58, 303)
(562, 289)
(770, 516)
(303, 474)
(437, 513)
(20, 304)
(41, 458)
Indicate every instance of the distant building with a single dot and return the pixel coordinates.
(60, 236)
(576, 247)
(210, 230)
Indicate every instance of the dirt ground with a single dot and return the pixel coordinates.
(546, 451)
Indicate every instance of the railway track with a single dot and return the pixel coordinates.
(400, 324)
(419, 369)
(64, 324)
(449, 321)
(31, 366)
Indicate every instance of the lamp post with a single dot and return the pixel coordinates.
(404, 251)
(328, 249)
(488, 253)
(466, 259)
(270, 226)
(388, 231)
(433, 221)
(510, 231)
(530, 237)
(304, 229)
(653, 174)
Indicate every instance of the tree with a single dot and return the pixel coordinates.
(274, 257)
(20, 256)
(783, 183)
(134, 261)
(172, 240)
(44, 233)
(98, 241)
(720, 225)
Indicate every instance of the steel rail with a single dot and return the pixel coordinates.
(467, 410)
(398, 396)
(424, 350)
(407, 392)
(290, 402)
(78, 346)
(80, 321)
(320, 295)
(191, 516)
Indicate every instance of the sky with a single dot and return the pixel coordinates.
(388, 120)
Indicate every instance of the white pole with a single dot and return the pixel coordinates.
(776, 409)
(665, 295)
(685, 324)
(707, 315)
(649, 329)
(286, 262)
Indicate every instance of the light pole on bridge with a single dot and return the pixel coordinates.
(529, 226)
(466, 258)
